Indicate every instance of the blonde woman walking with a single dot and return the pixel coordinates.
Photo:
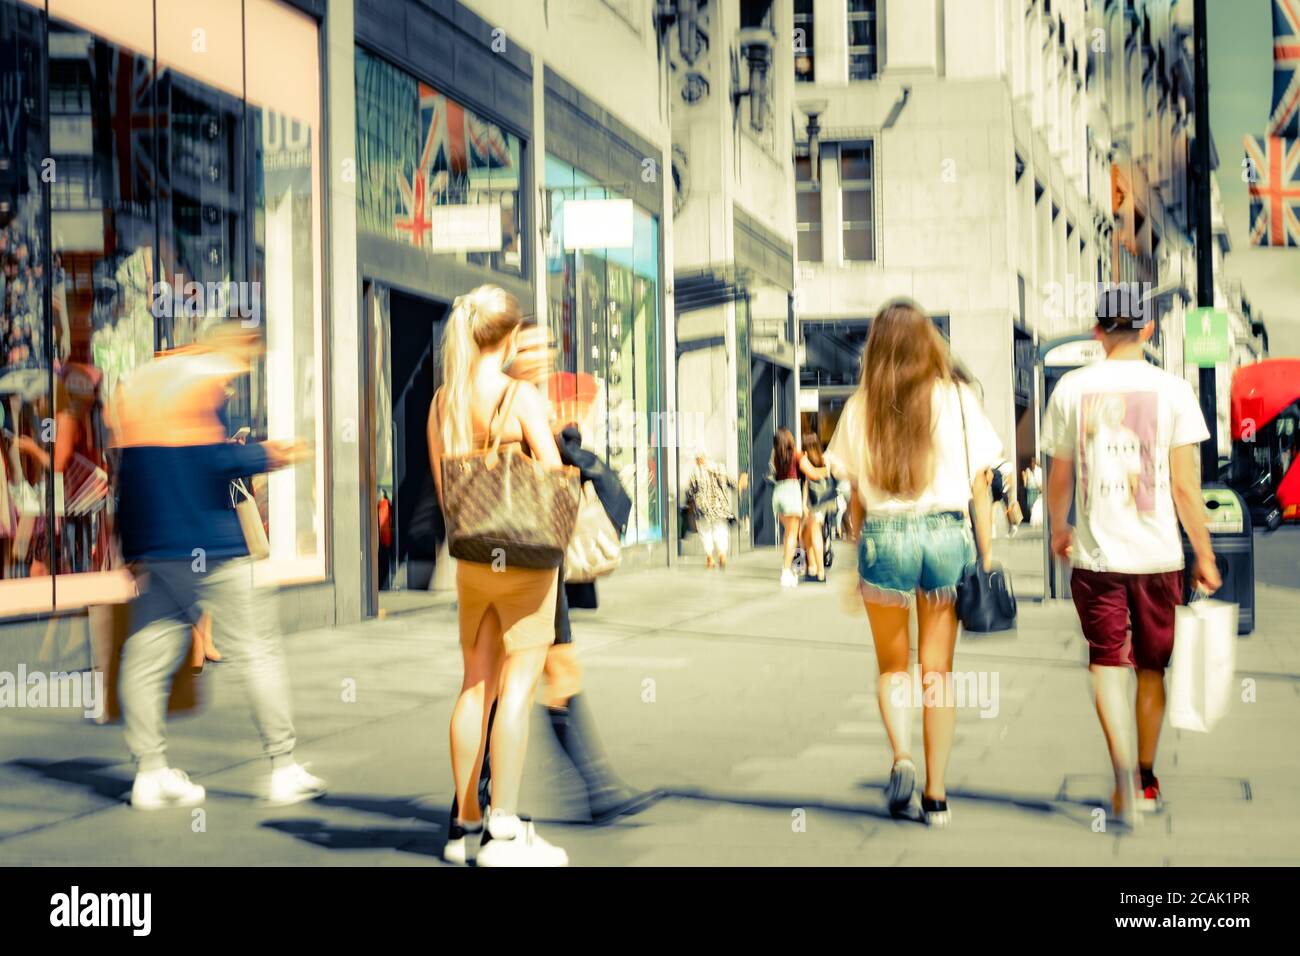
(507, 615)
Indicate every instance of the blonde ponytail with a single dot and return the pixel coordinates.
(479, 319)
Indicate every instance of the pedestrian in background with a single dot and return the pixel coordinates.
(789, 468)
(1003, 492)
(708, 493)
(190, 557)
(904, 440)
(1122, 436)
(1033, 479)
(814, 514)
(507, 614)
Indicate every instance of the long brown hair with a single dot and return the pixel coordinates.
(904, 357)
(812, 447)
(783, 452)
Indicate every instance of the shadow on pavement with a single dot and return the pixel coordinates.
(91, 774)
(778, 803)
(330, 836)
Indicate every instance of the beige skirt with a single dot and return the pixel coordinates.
(523, 597)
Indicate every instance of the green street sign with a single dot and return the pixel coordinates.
(1206, 339)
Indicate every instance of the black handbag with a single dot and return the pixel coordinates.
(822, 494)
(986, 601)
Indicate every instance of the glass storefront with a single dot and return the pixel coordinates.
(429, 170)
(603, 311)
(744, 441)
(176, 182)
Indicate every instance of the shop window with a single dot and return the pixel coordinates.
(29, 342)
(423, 156)
(803, 41)
(864, 40)
(808, 211)
(603, 309)
(857, 198)
(163, 180)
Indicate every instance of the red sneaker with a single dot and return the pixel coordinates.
(1149, 799)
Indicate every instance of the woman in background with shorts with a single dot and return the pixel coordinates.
(789, 466)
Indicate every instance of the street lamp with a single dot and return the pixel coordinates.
(813, 110)
(756, 44)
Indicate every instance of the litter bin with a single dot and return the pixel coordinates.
(1227, 519)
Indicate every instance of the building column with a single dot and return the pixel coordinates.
(346, 344)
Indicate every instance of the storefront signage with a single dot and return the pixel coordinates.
(598, 224)
(475, 228)
(1074, 354)
(1206, 338)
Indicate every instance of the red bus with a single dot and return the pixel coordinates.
(1266, 439)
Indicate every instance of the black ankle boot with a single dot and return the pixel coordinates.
(607, 795)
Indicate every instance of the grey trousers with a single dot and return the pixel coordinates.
(173, 597)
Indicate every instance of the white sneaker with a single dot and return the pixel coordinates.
(462, 842)
(165, 787)
(788, 580)
(512, 841)
(293, 784)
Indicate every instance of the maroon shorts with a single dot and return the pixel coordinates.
(1128, 619)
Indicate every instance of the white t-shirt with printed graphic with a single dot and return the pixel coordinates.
(950, 487)
(1117, 420)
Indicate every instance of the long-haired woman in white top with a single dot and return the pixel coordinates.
(901, 442)
(507, 614)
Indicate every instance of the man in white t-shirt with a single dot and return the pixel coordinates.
(1122, 435)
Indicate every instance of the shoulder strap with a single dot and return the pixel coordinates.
(965, 447)
(502, 412)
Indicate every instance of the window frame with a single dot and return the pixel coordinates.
(808, 188)
(805, 20)
(852, 16)
(867, 185)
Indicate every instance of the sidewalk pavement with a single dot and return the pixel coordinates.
(749, 707)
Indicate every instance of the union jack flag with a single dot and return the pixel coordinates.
(442, 161)
(134, 121)
(1274, 164)
(1285, 119)
(488, 148)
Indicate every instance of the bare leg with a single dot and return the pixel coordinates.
(518, 681)
(1110, 688)
(1150, 714)
(790, 524)
(936, 639)
(815, 539)
(469, 716)
(894, 686)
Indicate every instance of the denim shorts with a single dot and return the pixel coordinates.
(903, 554)
(787, 498)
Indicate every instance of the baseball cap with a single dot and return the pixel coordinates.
(1121, 308)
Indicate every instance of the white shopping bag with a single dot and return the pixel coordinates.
(1204, 664)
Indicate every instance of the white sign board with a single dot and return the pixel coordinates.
(808, 400)
(460, 228)
(1075, 354)
(598, 224)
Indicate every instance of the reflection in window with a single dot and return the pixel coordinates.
(159, 183)
(26, 432)
(603, 311)
(422, 158)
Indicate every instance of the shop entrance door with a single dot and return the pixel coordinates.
(406, 525)
(770, 404)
